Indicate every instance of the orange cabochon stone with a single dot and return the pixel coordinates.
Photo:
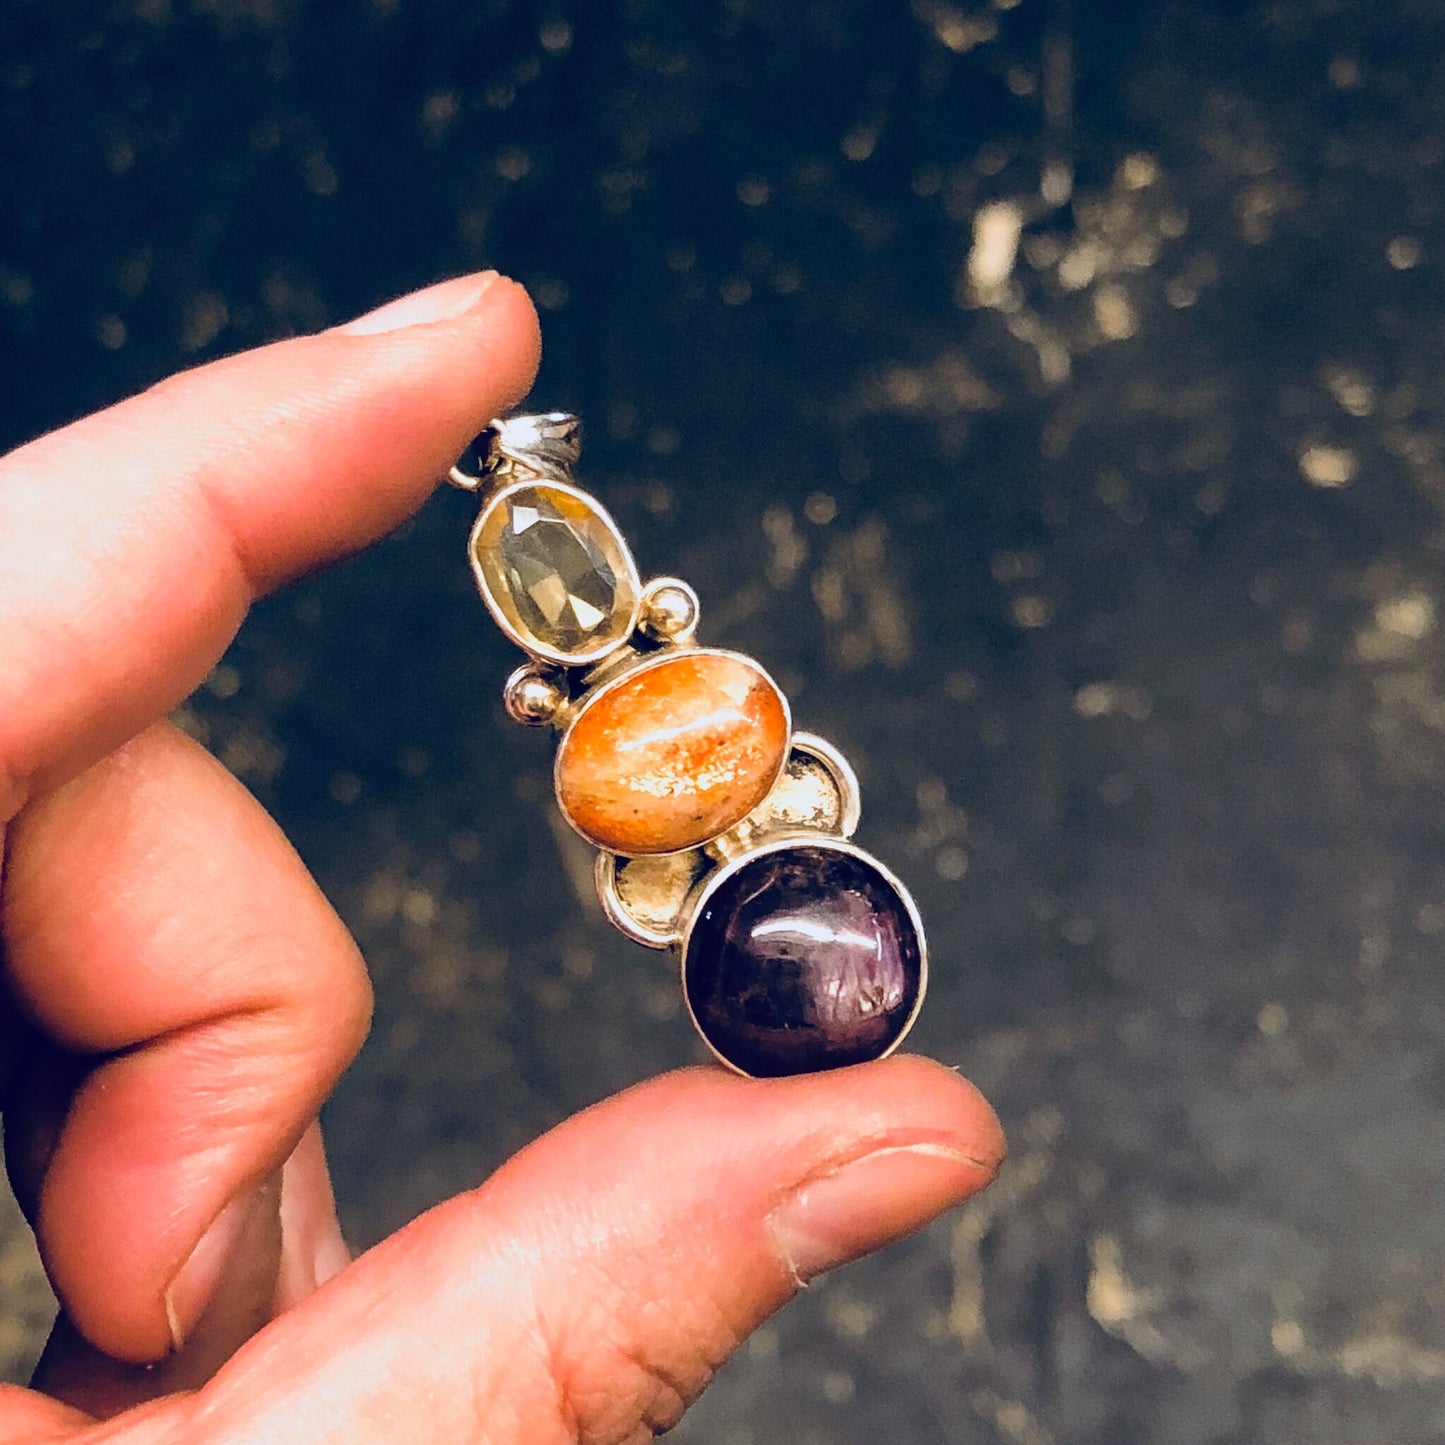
(673, 754)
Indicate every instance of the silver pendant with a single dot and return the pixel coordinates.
(722, 833)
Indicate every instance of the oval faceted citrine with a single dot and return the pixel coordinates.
(555, 572)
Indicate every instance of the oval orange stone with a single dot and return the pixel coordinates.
(672, 754)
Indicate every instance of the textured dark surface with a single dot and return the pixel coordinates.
(1114, 562)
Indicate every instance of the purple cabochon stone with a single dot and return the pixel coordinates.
(806, 958)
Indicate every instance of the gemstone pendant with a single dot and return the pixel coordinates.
(722, 833)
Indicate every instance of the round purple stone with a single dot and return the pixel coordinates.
(806, 957)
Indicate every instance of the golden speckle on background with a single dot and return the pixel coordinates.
(1272, 1019)
(1404, 253)
(1329, 466)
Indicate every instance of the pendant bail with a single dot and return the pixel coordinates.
(544, 447)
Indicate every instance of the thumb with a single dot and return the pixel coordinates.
(590, 1289)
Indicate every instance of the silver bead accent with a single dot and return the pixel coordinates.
(670, 610)
(532, 697)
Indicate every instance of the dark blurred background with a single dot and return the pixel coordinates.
(1052, 398)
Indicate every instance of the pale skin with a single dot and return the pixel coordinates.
(178, 998)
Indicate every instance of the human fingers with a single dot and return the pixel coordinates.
(28, 1418)
(588, 1291)
(132, 542)
(292, 1245)
(200, 999)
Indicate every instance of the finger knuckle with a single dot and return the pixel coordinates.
(626, 1369)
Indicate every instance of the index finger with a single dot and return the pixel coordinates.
(132, 542)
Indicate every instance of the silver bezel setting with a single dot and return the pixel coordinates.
(604, 874)
(534, 649)
(850, 796)
(646, 663)
(778, 844)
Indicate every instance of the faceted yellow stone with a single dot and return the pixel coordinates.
(555, 572)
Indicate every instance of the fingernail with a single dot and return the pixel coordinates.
(243, 1241)
(312, 1247)
(870, 1202)
(332, 1255)
(443, 302)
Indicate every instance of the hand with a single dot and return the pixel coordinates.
(178, 998)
